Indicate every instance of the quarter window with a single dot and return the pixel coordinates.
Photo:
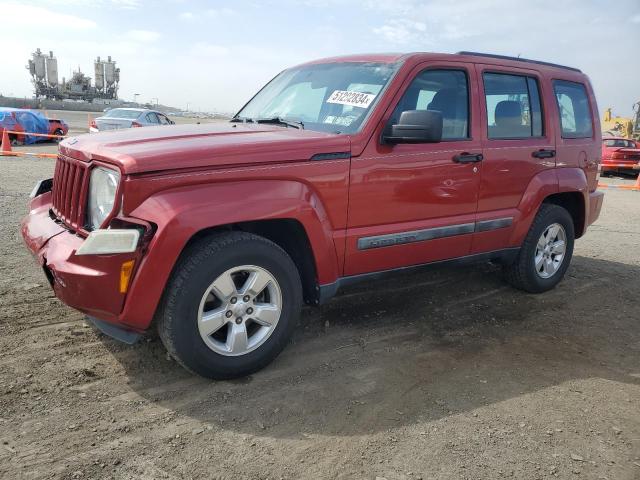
(513, 106)
(575, 112)
(446, 91)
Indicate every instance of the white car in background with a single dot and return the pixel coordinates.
(118, 118)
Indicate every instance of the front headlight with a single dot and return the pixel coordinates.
(102, 195)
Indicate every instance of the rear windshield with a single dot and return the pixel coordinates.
(121, 113)
(619, 143)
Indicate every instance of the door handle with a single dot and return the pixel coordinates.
(542, 153)
(466, 157)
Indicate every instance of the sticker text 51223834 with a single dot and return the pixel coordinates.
(355, 99)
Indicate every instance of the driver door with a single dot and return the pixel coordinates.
(411, 204)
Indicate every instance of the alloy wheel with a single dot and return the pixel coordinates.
(550, 250)
(240, 310)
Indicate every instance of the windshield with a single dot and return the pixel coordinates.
(121, 113)
(330, 97)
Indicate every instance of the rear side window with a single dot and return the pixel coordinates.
(513, 106)
(152, 118)
(575, 112)
(446, 91)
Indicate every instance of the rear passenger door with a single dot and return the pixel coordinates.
(517, 144)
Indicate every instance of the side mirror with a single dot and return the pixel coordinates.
(415, 126)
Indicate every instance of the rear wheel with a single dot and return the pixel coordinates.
(230, 306)
(545, 253)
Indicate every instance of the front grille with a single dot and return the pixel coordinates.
(70, 183)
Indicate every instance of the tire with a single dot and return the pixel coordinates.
(524, 273)
(195, 293)
(58, 132)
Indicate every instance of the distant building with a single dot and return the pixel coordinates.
(44, 76)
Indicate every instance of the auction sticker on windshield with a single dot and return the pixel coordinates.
(354, 99)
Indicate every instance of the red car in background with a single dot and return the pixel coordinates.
(620, 155)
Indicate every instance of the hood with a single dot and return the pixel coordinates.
(148, 149)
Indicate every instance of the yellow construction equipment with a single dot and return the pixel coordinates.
(616, 126)
(627, 127)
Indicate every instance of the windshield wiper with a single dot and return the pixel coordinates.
(281, 121)
(241, 120)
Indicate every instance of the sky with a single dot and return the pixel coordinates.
(214, 55)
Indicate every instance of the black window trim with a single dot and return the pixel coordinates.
(586, 92)
(464, 70)
(527, 75)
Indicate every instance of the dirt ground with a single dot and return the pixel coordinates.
(446, 374)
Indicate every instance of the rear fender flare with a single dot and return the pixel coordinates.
(543, 185)
(575, 180)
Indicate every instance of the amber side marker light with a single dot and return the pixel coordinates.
(125, 275)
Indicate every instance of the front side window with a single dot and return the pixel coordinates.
(513, 106)
(575, 112)
(445, 91)
(331, 97)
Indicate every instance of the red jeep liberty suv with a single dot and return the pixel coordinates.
(336, 171)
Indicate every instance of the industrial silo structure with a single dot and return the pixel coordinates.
(52, 70)
(111, 78)
(99, 75)
(40, 69)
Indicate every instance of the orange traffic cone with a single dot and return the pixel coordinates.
(5, 148)
(637, 185)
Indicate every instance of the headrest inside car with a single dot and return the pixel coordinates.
(508, 112)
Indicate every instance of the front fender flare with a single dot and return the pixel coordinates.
(180, 213)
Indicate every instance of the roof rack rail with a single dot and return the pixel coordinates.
(518, 59)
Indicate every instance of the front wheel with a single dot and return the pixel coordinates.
(545, 253)
(230, 306)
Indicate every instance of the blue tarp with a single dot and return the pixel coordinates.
(30, 120)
